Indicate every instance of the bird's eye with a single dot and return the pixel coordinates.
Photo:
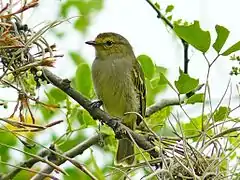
(109, 43)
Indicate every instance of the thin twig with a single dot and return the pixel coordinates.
(37, 157)
(72, 153)
(167, 22)
(77, 150)
(27, 169)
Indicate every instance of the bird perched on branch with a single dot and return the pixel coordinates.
(119, 83)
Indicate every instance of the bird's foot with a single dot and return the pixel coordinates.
(151, 138)
(96, 104)
(66, 83)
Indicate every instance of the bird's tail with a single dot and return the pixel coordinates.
(125, 151)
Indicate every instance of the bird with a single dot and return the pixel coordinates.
(119, 83)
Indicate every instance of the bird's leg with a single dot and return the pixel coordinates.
(115, 124)
(96, 104)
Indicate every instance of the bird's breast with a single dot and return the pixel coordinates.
(114, 86)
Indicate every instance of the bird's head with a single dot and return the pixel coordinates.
(111, 44)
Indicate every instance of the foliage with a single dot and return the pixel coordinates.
(85, 9)
(152, 77)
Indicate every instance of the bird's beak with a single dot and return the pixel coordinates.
(93, 43)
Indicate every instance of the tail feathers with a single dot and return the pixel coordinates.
(125, 152)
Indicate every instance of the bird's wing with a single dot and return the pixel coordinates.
(139, 82)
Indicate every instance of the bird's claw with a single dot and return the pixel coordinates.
(96, 104)
(151, 138)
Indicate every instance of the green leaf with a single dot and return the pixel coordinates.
(193, 127)
(185, 83)
(157, 5)
(196, 98)
(81, 6)
(233, 48)
(51, 100)
(169, 8)
(157, 120)
(23, 175)
(233, 138)
(73, 173)
(88, 119)
(77, 59)
(84, 8)
(47, 112)
(155, 82)
(77, 115)
(83, 79)
(57, 94)
(221, 114)
(6, 155)
(233, 155)
(194, 35)
(82, 23)
(222, 35)
(110, 144)
(96, 5)
(169, 18)
(107, 130)
(155, 86)
(65, 7)
(163, 79)
(177, 22)
(160, 69)
(83, 117)
(55, 97)
(147, 66)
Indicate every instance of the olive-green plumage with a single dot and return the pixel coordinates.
(119, 82)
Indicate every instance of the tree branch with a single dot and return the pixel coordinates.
(169, 102)
(184, 43)
(162, 104)
(77, 150)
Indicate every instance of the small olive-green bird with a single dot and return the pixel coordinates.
(119, 83)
